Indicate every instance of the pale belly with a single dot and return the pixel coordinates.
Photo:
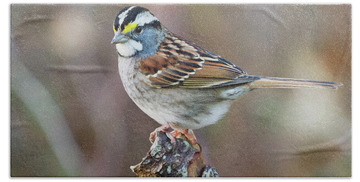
(182, 108)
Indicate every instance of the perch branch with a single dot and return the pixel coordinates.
(173, 159)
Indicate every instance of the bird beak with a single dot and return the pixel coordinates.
(119, 38)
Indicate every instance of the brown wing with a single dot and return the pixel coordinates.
(183, 64)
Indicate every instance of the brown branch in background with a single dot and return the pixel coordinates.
(173, 159)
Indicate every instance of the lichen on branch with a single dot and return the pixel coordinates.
(180, 158)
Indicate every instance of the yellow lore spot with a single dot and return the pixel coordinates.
(114, 28)
(129, 27)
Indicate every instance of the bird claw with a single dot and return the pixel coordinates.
(162, 128)
(188, 133)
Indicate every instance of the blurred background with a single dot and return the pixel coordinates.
(70, 115)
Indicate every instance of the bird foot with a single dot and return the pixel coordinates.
(188, 133)
(162, 128)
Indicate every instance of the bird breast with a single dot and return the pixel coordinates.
(183, 108)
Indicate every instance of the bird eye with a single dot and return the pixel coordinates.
(138, 29)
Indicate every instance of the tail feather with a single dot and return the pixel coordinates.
(273, 82)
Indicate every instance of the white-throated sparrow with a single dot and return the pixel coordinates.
(176, 82)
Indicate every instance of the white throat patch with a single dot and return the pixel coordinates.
(129, 48)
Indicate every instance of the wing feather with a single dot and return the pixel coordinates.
(181, 63)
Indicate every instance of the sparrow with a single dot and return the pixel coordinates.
(177, 83)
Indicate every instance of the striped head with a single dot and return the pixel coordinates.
(138, 32)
